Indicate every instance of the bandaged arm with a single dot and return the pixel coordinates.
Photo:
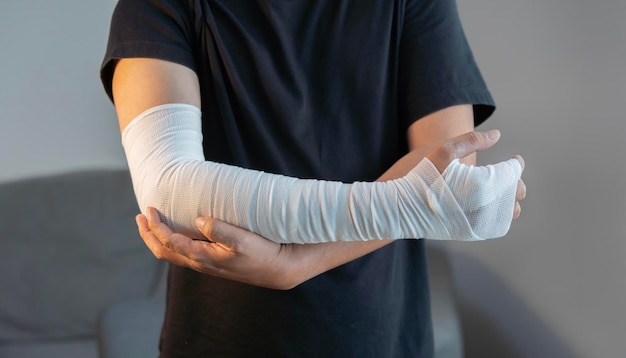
(163, 146)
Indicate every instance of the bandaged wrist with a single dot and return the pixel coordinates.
(163, 147)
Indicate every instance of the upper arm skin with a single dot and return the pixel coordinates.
(424, 134)
(143, 83)
(441, 125)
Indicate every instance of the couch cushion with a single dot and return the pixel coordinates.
(70, 249)
(83, 348)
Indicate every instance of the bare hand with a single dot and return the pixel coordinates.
(231, 253)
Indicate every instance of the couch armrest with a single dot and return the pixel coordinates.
(131, 329)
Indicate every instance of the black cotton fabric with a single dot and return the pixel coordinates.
(314, 89)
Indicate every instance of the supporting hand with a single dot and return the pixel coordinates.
(229, 252)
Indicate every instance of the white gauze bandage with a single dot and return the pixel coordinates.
(163, 146)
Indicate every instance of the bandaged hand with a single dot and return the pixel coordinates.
(164, 152)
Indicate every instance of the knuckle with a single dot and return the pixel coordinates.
(445, 152)
(239, 245)
(169, 245)
(449, 148)
(473, 138)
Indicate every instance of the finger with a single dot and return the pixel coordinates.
(161, 230)
(521, 191)
(472, 142)
(148, 237)
(173, 241)
(517, 211)
(521, 161)
(462, 146)
(152, 215)
(220, 232)
(142, 223)
(156, 247)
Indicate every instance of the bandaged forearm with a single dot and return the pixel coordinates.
(163, 146)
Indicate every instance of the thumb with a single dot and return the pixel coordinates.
(217, 231)
(462, 146)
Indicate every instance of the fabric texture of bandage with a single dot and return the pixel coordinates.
(163, 147)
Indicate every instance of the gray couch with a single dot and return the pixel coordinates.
(70, 251)
(78, 281)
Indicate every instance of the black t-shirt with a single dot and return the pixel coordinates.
(314, 89)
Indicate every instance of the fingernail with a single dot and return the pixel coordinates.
(200, 222)
(149, 215)
(493, 134)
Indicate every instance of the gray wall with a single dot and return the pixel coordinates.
(53, 114)
(556, 69)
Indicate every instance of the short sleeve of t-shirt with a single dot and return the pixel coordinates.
(157, 29)
(437, 68)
